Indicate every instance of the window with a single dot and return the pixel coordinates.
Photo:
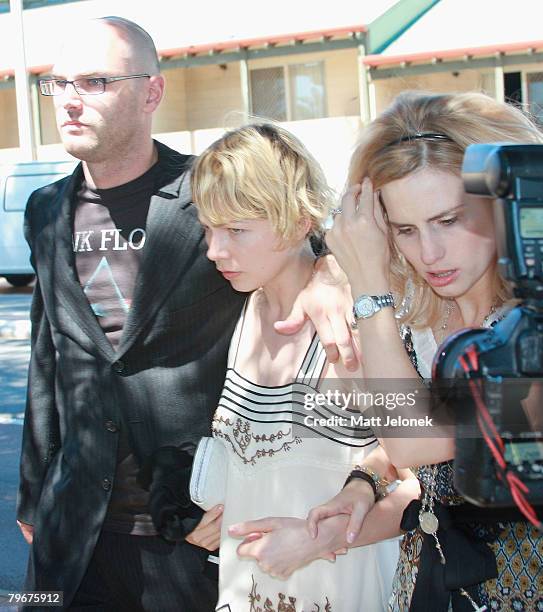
(289, 93)
(526, 89)
(512, 82)
(268, 93)
(534, 89)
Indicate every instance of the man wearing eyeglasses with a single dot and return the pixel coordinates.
(131, 326)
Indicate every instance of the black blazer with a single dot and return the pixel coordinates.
(162, 383)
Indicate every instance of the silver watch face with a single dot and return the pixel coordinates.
(365, 307)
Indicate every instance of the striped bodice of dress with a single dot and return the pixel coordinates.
(258, 422)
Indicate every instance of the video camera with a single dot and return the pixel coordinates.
(498, 423)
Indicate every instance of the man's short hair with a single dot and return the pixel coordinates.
(140, 40)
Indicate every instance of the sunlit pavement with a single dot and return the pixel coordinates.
(14, 356)
(14, 311)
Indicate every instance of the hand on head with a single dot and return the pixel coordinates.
(358, 239)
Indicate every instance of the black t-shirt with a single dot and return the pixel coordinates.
(109, 237)
(108, 241)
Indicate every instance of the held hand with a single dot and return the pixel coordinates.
(207, 533)
(358, 239)
(27, 531)
(327, 302)
(280, 546)
(356, 500)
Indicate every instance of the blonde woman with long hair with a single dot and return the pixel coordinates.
(408, 229)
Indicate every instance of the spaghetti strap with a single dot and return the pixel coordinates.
(236, 338)
(313, 363)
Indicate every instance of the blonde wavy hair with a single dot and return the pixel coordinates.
(261, 171)
(385, 153)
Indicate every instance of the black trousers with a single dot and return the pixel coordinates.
(145, 573)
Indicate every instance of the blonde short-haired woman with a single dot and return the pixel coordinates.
(260, 196)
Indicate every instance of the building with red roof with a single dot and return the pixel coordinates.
(321, 70)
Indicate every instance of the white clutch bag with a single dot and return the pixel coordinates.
(209, 473)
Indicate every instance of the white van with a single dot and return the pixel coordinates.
(17, 182)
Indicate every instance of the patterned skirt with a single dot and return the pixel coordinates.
(519, 557)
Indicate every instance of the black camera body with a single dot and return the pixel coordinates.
(510, 354)
(513, 175)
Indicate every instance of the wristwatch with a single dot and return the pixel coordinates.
(366, 306)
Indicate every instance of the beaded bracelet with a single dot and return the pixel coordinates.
(378, 484)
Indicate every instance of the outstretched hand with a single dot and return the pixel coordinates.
(327, 302)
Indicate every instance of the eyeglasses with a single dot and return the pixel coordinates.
(89, 86)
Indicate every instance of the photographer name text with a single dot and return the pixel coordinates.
(360, 421)
(361, 401)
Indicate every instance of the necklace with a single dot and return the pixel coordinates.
(449, 307)
(429, 523)
(492, 310)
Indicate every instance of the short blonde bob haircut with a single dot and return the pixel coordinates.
(385, 153)
(261, 171)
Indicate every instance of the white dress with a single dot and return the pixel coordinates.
(277, 466)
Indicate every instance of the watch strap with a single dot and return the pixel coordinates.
(384, 300)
